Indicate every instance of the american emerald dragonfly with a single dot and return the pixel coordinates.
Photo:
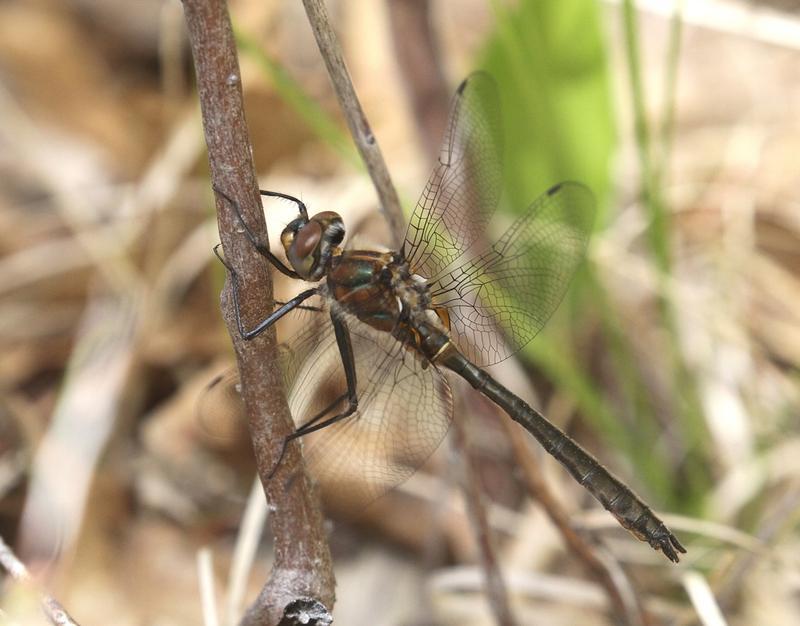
(366, 377)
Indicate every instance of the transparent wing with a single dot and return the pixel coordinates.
(464, 188)
(220, 410)
(220, 413)
(404, 411)
(515, 286)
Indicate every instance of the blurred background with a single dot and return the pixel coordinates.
(674, 358)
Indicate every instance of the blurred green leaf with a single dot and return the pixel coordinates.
(551, 65)
(550, 62)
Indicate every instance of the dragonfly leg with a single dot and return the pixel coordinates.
(349, 364)
(310, 426)
(302, 307)
(272, 317)
(261, 248)
(322, 413)
(276, 194)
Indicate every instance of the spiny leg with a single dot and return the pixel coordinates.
(276, 194)
(302, 307)
(351, 395)
(260, 247)
(272, 317)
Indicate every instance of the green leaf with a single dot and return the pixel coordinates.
(550, 62)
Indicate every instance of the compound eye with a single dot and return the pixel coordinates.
(306, 240)
(291, 230)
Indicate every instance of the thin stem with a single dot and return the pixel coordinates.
(621, 595)
(208, 596)
(658, 226)
(670, 90)
(364, 139)
(684, 387)
(420, 64)
(302, 566)
(55, 613)
(476, 511)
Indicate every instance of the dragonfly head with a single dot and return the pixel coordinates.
(310, 244)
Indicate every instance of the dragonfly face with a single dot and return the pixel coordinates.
(310, 244)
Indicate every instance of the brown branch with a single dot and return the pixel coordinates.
(774, 520)
(421, 67)
(302, 567)
(476, 511)
(53, 610)
(625, 606)
(356, 120)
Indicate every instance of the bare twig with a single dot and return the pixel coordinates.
(17, 570)
(302, 567)
(208, 597)
(250, 531)
(624, 601)
(356, 120)
(418, 58)
(476, 511)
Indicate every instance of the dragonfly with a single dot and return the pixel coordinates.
(370, 368)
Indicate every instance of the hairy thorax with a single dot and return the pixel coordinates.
(379, 289)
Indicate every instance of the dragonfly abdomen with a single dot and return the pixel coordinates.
(631, 512)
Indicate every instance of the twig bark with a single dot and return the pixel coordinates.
(624, 601)
(53, 610)
(302, 566)
(421, 67)
(356, 120)
(476, 511)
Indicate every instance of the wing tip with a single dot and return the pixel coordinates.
(477, 76)
(554, 189)
(573, 185)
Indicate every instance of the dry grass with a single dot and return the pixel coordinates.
(109, 328)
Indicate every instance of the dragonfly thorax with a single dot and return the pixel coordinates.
(310, 244)
(411, 289)
(377, 287)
